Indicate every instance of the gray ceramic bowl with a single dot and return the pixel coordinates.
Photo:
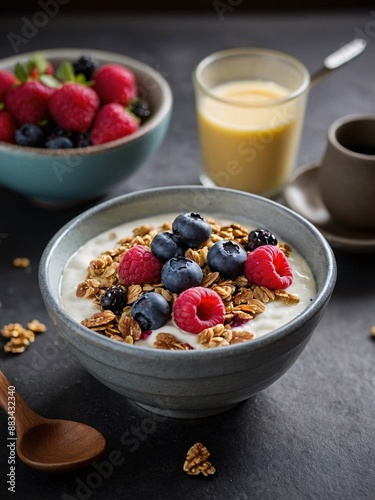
(68, 176)
(189, 383)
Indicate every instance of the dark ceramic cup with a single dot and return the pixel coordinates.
(347, 173)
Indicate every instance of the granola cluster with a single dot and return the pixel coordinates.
(19, 337)
(242, 300)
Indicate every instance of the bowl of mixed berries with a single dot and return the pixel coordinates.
(76, 122)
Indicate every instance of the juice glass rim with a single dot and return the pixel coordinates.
(251, 51)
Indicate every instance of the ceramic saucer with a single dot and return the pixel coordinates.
(302, 195)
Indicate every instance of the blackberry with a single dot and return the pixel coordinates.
(30, 135)
(83, 140)
(259, 237)
(114, 299)
(85, 65)
(141, 109)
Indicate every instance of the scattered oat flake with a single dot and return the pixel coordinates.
(21, 262)
(196, 461)
(372, 331)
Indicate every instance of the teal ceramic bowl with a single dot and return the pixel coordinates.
(196, 383)
(69, 176)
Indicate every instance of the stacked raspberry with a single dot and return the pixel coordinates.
(77, 105)
(197, 308)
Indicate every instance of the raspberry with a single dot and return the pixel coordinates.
(7, 79)
(73, 107)
(198, 308)
(114, 83)
(7, 127)
(267, 266)
(139, 266)
(112, 122)
(28, 103)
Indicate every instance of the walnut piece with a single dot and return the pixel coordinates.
(19, 337)
(36, 326)
(21, 262)
(196, 461)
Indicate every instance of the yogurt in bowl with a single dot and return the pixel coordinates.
(202, 381)
(251, 310)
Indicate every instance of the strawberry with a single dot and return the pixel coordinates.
(7, 127)
(114, 83)
(7, 79)
(28, 102)
(73, 107)
(112, 122)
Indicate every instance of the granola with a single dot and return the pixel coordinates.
(243, 300)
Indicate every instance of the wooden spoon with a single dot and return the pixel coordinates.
(50, 445)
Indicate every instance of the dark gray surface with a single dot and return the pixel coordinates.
(309, 436)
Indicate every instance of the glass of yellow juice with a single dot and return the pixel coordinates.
(250, 107)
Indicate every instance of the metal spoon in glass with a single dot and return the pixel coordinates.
(50, 445)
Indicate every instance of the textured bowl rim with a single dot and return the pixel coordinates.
(139, 352)
(115, 57)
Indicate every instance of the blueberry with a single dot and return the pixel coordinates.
(140, 109)
(30, 135)
(85, 65)
(259, 237)
(180, 273)
(227, 258)
(114, 299)
(192, 229)
(59, 143)
(151, 311)
(166, 245)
